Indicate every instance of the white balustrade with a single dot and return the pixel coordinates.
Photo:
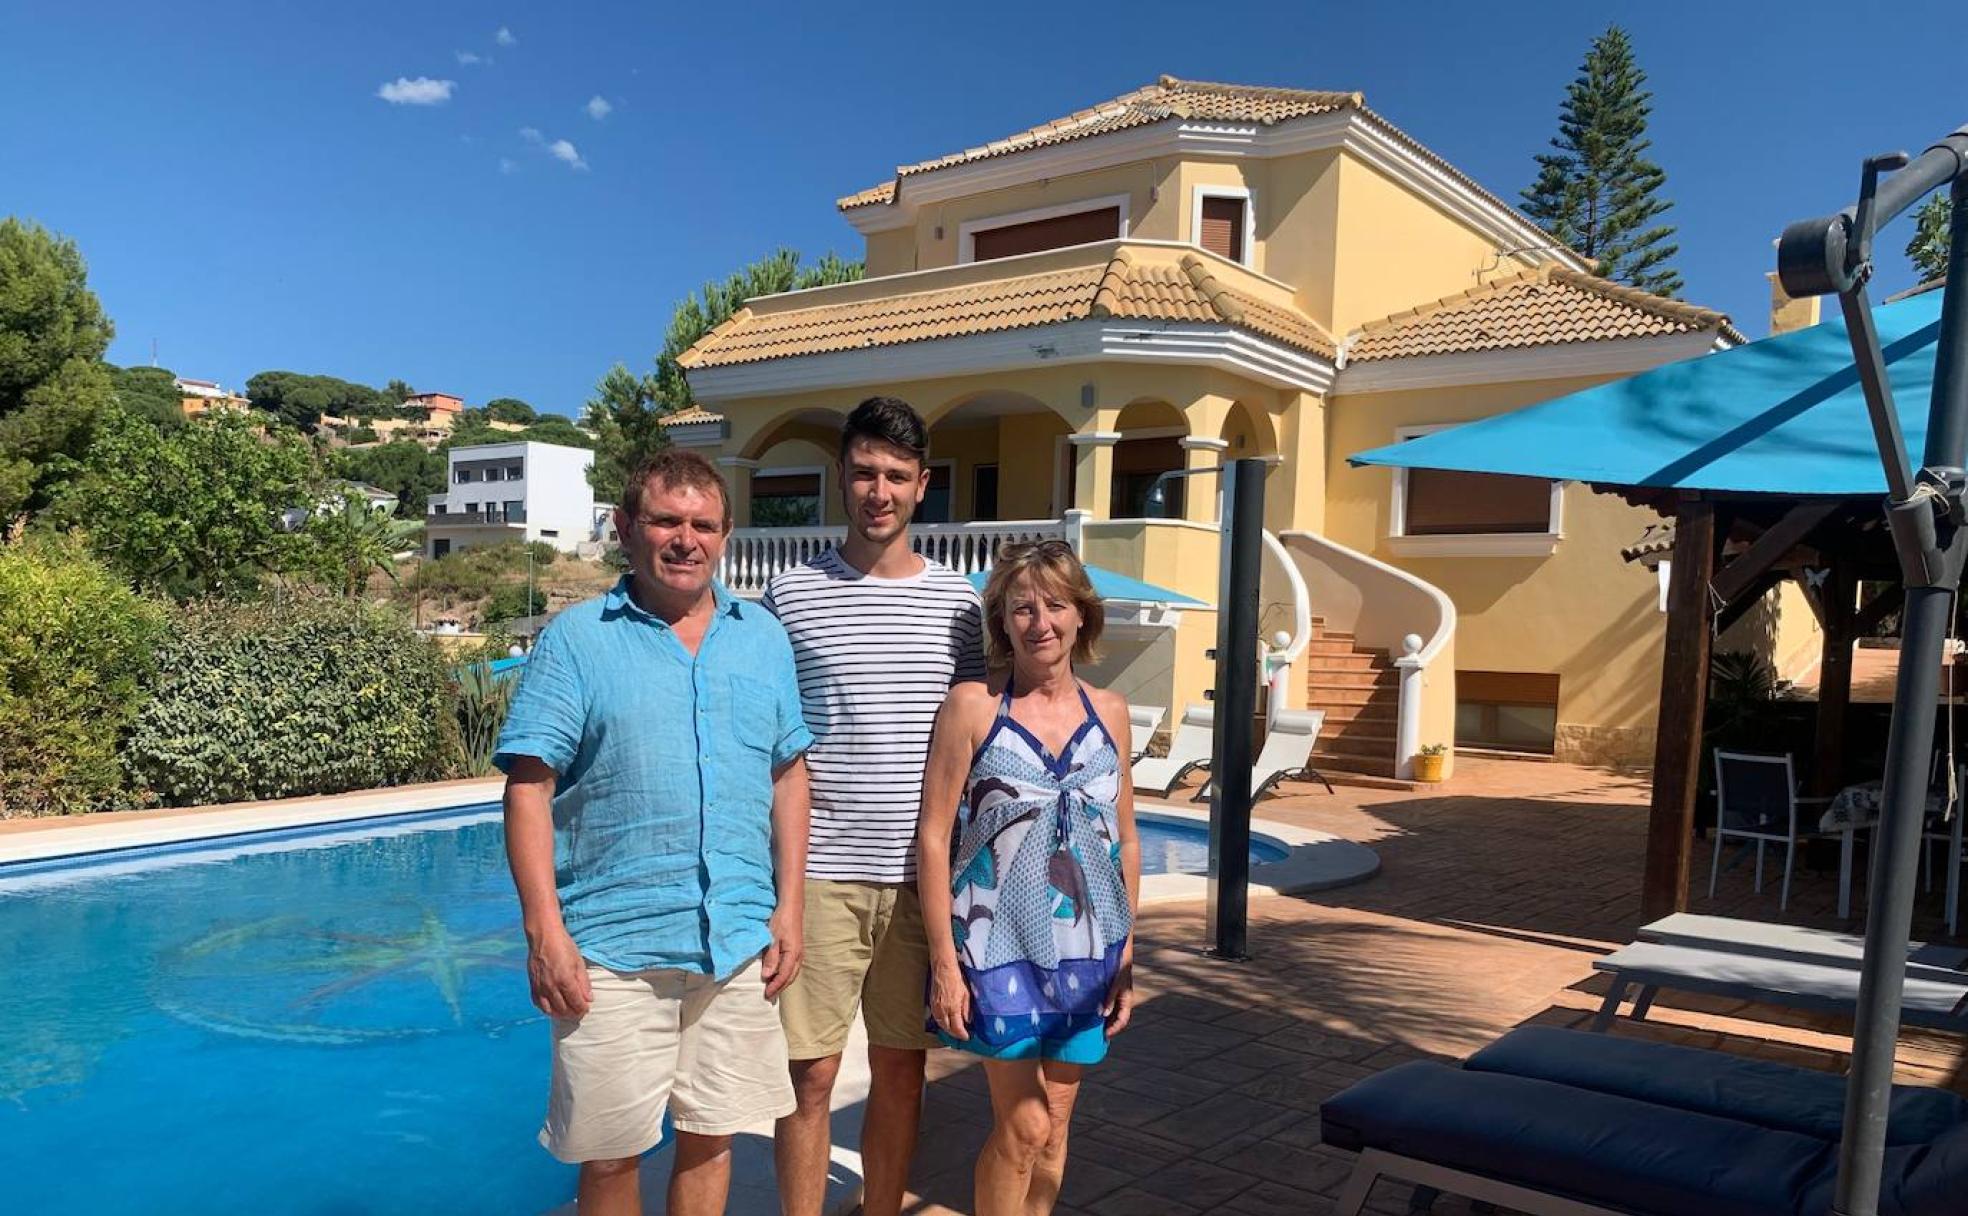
(753, 555)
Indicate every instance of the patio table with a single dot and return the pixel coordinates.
(1856, 807)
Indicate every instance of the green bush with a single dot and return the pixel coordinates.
(543, 552)
(315, 696)
(472, 573)
(514, 601)
(75, 645)
(483, 699)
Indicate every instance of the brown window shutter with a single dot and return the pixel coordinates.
(1223, 227)
(1079, 228)
(1445, 503)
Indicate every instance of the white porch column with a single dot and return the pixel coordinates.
(1093, 471)
(1203, 497)
(737, 472)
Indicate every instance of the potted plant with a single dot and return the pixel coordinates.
(1429, 762)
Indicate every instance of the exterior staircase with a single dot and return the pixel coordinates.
(1359, 688)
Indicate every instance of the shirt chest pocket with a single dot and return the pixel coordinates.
(752, 711)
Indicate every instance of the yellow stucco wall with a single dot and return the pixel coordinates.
(1582, 612)
(1393, 249)
(933, 240)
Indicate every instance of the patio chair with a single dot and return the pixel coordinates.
(1755, 799)
(1947, 834)
(1287, 753)
(1560, 1123)
(1189, 750)
(1143, 721)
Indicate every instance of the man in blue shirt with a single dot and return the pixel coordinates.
(656, 823)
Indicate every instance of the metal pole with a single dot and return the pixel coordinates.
(1889, 912)
(1236, 706)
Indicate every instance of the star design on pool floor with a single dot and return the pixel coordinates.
(431, 949)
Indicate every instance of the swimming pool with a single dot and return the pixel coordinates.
(333, 1021)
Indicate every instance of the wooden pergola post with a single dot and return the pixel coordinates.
(1841, 593)
(1683, 700)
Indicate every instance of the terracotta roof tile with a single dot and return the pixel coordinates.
(1541, 307)
(685, 417)
(1167, 98)
(1118, 288)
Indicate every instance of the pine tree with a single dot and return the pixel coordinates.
(1928, 250)
(1596, 191)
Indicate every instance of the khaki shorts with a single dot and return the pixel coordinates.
(865, 948)
(713, 1053)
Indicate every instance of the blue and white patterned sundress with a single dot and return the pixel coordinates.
(1038, 905)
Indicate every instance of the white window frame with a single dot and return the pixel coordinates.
(801, 470)
(1250, 217)
(968, 230)
(1467, 544)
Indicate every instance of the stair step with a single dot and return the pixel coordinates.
(1379, 747)
(1334, 765)
(1338, 646)
(1341, 717)
(1351, 677)
(1355, 660)
(1320, 696)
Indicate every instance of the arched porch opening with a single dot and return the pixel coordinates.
(1150, 445)
(790, 468)
(996, 454)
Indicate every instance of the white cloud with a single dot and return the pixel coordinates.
(563, 151)
(505, 37)
(531, 135)
(598, 107)
(467, 58)
(423, 91)
(508, 165)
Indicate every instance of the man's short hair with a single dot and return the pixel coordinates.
(888, 420)
(673, 469)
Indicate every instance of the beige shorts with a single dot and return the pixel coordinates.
(864, 948)
(712, 1053)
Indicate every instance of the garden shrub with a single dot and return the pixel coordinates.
(75, 646)
(472, 573)
(315, 696)
(513, 601)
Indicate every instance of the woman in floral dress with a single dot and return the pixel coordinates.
(1029, 869)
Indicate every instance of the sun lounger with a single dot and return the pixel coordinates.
(1932, 998)
(1287, 753)
(1559, 1123)
(1143, 721)
(1189, 750)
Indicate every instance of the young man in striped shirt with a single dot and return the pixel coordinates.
(879, 634)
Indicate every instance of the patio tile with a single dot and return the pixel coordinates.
(1271, 1199)
(1292, 1167)
(1194, 1182)
(1137, 1202)
(1214, 1120)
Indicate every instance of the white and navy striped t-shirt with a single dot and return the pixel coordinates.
(876, 657)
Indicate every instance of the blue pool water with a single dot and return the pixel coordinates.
(326, 1025)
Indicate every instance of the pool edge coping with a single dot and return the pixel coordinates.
(60, 840)
(1314, 860)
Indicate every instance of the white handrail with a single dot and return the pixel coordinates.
(1301, 598)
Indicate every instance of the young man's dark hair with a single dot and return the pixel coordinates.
(890, 420)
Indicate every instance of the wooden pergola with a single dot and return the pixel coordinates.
(1729, 551)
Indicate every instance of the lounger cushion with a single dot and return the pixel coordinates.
(1772, 1095)
(1619, 1152)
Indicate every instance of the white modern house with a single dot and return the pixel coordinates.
(513, 491)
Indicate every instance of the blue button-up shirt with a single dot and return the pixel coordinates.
(662, 804)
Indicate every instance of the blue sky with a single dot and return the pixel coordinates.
(247, 200)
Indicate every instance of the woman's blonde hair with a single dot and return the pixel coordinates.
(1052, 567)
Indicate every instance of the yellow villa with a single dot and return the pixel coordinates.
(1196, 272)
